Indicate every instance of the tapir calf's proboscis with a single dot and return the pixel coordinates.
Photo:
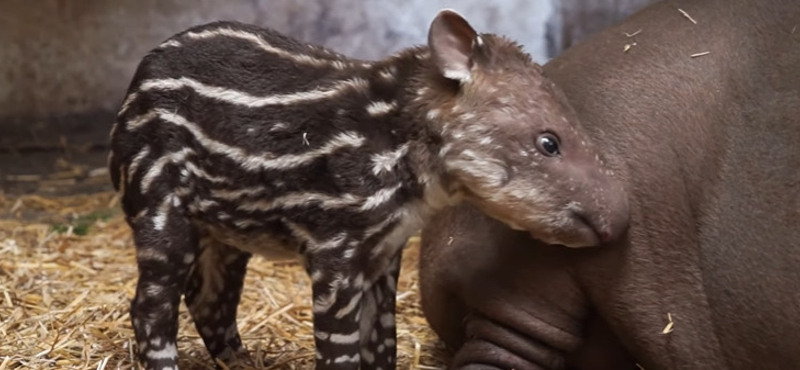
(700, 120)
(235, 140)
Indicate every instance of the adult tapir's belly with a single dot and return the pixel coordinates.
(750, 255)
(710, 150)
(727, 272)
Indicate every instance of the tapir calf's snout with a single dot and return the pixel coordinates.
(600, 210)
(608, 210)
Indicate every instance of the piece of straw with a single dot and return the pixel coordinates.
(685, 14)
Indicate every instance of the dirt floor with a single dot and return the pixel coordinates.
(67, 273)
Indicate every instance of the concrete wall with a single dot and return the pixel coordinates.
(65, 64)
(67, 56)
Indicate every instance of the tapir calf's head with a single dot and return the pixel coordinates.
(513, 144)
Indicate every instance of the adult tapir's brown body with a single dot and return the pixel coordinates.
(709, 150)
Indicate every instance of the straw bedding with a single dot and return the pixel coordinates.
(67, 274)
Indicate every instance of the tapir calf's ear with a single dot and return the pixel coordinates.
(450, 40)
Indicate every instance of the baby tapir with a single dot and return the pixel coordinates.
(236, 140)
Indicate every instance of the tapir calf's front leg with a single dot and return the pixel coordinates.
(337, 304)
(378, 326)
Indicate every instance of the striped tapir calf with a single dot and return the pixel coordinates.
(235, 140)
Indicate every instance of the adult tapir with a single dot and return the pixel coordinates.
(696, 107)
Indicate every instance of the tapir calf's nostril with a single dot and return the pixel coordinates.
(604, 235)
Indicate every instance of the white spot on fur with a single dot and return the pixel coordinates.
(316, 276)
(137, 159)
(346, 358)
(380, 197)
(348, 253)
(280, 126)
(193, 169)
(445, 150)
(388, 73)
(205, 204)
(153, 289)
(168, 352)
(368, 356)
(170, 43)
(380, 108)
(506, 100)
(385, 161)
(151, 254)
(245, 223)
(461, 75)
(345, 338)
(321, 335)
(346, 310)
(160, 219)
(483, 169)
(387, 320)
(127, 103)
(433, 113)
(331, 243)
(358, 282)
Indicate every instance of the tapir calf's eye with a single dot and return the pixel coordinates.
(548, 145)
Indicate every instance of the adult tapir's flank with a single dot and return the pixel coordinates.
(700, 119)
(236, 140)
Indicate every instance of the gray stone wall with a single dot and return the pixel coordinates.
(65, 64)
(65, 56)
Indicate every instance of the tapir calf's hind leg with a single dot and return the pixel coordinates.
(166, 245)
(213, 294)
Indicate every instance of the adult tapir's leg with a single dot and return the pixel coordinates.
(601, 350)
(520, 306)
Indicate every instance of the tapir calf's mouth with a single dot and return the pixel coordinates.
(600, 234)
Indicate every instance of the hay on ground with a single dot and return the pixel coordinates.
(68, 272)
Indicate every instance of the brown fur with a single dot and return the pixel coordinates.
(708, 149)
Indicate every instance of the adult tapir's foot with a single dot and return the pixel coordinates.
(601, 350)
